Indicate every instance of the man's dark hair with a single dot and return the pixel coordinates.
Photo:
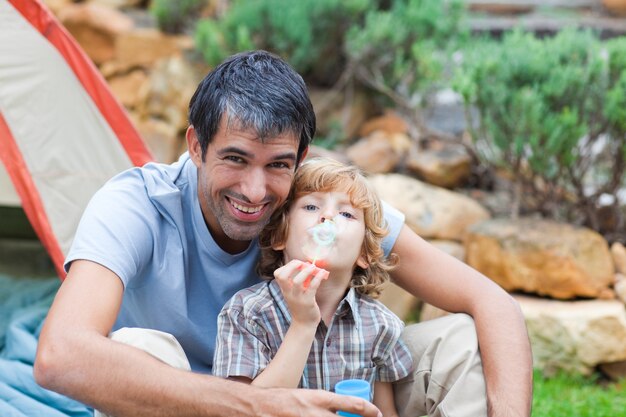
(256, 90)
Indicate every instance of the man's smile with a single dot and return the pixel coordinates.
(245, 208)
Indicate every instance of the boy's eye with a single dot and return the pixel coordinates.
(347, 215)
(310, 207)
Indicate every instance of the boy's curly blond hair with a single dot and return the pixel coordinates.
(327, 175)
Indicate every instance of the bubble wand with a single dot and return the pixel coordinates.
(321, 241)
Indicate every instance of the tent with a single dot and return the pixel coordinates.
(62, 133)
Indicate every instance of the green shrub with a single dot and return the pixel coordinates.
(174, 16)
(551, 111)
(307, 33)
(404, 52)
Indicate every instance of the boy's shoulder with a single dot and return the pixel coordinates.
(251, 300)
(373, 310)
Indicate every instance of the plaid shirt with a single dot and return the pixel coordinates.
(362, 341)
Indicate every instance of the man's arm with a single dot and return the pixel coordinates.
(445, 282)
(76, 358)
(383, 399)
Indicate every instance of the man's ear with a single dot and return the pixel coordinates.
(193, 146)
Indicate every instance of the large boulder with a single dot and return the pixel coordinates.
(543, 257)
(443, 164)
(380, 152)
(574, 336)
(619, 257)
(96, 28)
(432, 212)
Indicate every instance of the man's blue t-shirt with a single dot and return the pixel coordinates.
(147, 227)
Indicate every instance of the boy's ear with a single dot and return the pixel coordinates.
(362, 261)
(278, 246)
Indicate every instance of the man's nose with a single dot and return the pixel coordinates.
(254, 186)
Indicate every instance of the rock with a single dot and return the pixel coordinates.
(574, 336)
(500, 7)
(336, 116)
(398, 300)
(450, 247)
(374, 154)
(432, 212)
(130, 89)
(615, 7)
(390, 123)
(117, 4)
(539, 256)
(446, 165)
(144, 47)
(172, 83)
(162, 139)
(95, 28)
(56, 6)
(620, 287)
(619, 257)
(614, 370)
(317, 151)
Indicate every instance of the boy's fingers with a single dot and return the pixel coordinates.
(285, 272)
(307, 270)
(317, 279)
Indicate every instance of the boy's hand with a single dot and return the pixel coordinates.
(299, 282)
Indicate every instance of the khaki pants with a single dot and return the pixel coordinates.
(447, 379)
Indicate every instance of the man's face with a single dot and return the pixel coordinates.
(242, 181)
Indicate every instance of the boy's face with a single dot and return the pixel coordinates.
(312, 209)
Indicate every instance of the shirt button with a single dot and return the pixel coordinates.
(328, 343)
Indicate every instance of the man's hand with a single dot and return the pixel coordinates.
(299, 282)
(312, 403)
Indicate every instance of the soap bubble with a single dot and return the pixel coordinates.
(322, 238)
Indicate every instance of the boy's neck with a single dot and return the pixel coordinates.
(330, 293)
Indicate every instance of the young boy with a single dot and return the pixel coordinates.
(316, 322)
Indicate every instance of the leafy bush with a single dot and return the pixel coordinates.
(551, 112)
(404, 52)
(308, 33)
(173, 16)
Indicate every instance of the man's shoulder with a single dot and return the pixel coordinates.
(154, 178)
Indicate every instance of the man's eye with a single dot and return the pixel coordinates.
(281, 165)
(234, 158)
(347, 215)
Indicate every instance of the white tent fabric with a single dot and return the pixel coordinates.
(67, 146)
(8, 195)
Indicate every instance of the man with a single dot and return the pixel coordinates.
(163, 248)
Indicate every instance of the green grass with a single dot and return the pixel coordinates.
(578, 396)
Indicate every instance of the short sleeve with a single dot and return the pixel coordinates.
(395, 361)
(117, 229)
(395, 221)
(241, 348)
